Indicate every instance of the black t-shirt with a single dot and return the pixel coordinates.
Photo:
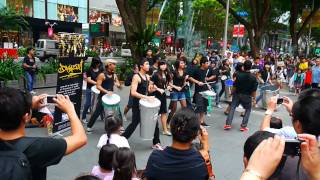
(178, 80)
(29, 62)
(160, 83)
(245, 83)
(216, 73)
(43, 152)
(173, 164)
(93, 75)
(200, 75)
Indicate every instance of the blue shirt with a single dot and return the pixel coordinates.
(315, 74)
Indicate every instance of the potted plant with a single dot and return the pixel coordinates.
(47, 74)
(11, 73)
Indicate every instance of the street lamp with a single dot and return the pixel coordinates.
(226, 29)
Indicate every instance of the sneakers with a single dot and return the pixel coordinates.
(205, 125)
(227, 127)
(157, 147)
(85, 121)
(33, 92)
(219, 106)
(209, 115)
(243, 129)
(89, 129)
(124, 118)
(167, 133)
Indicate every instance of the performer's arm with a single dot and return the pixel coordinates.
(117, 82)
(196, 81)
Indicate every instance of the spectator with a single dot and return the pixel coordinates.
(276, 123)
(41, 152)
(113, 126)
(30, 67)
(251, 144)
(316, 74)
(308, 78)
(244, 89)
(303, 66)
(104, 169)
(298, 80)
(124, 165)
(87, 177)
(180, 160)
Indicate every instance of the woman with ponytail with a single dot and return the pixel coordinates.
(113, 126)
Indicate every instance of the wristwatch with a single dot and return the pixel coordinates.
(268, 112)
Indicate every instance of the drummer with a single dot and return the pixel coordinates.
(92, 74)
(139, 90)
(105, 82)
(200, 77)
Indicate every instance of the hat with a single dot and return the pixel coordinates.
(110, 61)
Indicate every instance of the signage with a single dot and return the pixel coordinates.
(315, 19)
(317, 51)
(67, 13)
(242, 13)
(238, 30)
(99, 17)
(50, 32)
(24, 7)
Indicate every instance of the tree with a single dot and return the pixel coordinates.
(10, 20)
(134, 13)
(295, 12)
(173, 17)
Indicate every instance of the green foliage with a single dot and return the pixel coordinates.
(22, 52)
(10, 70)
(86, 67)
(10, 20)
(143, 40)
(172, 15)
(51, 67)
(91, 53)
(125, 69)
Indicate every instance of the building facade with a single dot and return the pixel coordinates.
(64, 15)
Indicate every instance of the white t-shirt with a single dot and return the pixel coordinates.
(288, 132)
(115, 139)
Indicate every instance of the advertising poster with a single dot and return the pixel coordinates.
(67, 13)
(70, 76)
(24, 7)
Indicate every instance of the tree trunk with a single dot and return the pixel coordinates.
(252, 42)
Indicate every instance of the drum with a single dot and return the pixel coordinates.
(148, 117)
(94, 98)
(208, 95)
(112, 103)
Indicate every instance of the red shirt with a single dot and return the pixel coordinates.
(308, 79)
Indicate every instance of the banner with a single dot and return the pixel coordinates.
(70, 76)
(67, 13)
(23, 7)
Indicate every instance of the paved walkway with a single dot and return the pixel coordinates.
(226, 146)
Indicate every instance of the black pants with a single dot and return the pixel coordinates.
(223, 87)
(134, 123)
(99, 111)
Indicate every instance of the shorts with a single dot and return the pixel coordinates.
(178, 96)
(130, 101)
(201, 103)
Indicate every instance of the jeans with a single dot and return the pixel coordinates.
(29, 80)
(223, 87)
(215, 87)
(188, 98)
(261, 93)
(98, 111)
(133, 125)
(246, 102)
(87, 104)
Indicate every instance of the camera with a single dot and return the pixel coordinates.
(279, 100)
(292, 147)
(49, 99)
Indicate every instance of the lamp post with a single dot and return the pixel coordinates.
(225, 39)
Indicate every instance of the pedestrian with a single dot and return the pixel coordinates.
(92, 74)
(160, 82)
(244, 89)
(316, 74)
(214, 83)
(308, 78)
(298, 80)
(225, 71)
(106, 80)
(139, 90)
(30, 68)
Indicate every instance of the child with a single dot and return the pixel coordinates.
(113, 127)
(276, 123)
(124, 165)
(104, 169)
(298, 79)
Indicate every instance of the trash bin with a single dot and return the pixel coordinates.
(228, 90)
(149, 117)
(267, 92)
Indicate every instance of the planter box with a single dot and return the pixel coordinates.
(18, 84)
(49, 81)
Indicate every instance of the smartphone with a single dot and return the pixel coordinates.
(279, 100)
(292, 147)
(50, 99)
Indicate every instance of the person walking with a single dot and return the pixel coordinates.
(30, 67)
(243, 91)
(316, 74)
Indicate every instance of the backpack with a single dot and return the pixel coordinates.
(14, 164)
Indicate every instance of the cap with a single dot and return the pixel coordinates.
(110, 61)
